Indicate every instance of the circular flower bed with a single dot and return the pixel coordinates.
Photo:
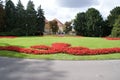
(60, 48)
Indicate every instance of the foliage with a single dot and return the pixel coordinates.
(80, 24)
(2, 16)
(94, 22)
(106, 30)
(40, 20)
(116, 28)
(89, 23)
(114, 13)
(16, 21)
(20, 20)
(54, 26)
(31, 19)
(10, 16)
(68, 27)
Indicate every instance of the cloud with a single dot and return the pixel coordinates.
(76, 3)
(105, 6)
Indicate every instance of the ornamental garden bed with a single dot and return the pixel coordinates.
(67, 48)
(61, 48)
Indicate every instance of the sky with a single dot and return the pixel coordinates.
(66, 10)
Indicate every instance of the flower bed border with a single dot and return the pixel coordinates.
(109, 38)
(61, 48)
(8, 37)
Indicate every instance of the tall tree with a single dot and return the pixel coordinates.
(20, 19)
(114, 13)
(31, 28)
(116, 28)
(94, 22)
(10, 15)
(2, 16)
(80, 24)
(106, 31)
(40, 20)
(68, 26)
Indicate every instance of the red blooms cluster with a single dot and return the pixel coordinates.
(94, 51)
(40, 47)
(7, 36)
(60, 48)
(109, 38)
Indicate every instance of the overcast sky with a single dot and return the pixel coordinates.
(65, 10)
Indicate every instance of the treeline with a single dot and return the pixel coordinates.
(91, 23)
(18, 21)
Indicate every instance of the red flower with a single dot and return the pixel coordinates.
(40, 47)
(109, 38)
(60, 48)
(7, 36)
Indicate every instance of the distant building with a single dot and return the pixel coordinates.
(48, 27)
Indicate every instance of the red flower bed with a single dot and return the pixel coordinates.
(60, 48)
(7, 36)
(40, 47)
(109, 38)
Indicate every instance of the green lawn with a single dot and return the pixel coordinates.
(48, 40)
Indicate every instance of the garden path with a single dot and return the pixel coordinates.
(31, 69)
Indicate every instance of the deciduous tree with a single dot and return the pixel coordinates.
(54, 26)
(80, 24)
(68, 27)
(94, 22)
(116, 28)
(114, 13)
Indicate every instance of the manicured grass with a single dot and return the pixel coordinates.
(48, 40)
(59, 56)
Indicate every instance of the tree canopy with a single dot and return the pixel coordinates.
(114, 13)
(89, 23)
(15, 20)
(40, 20)
(10, 15)
(80, 24)
(116, 28)
(2, 16)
